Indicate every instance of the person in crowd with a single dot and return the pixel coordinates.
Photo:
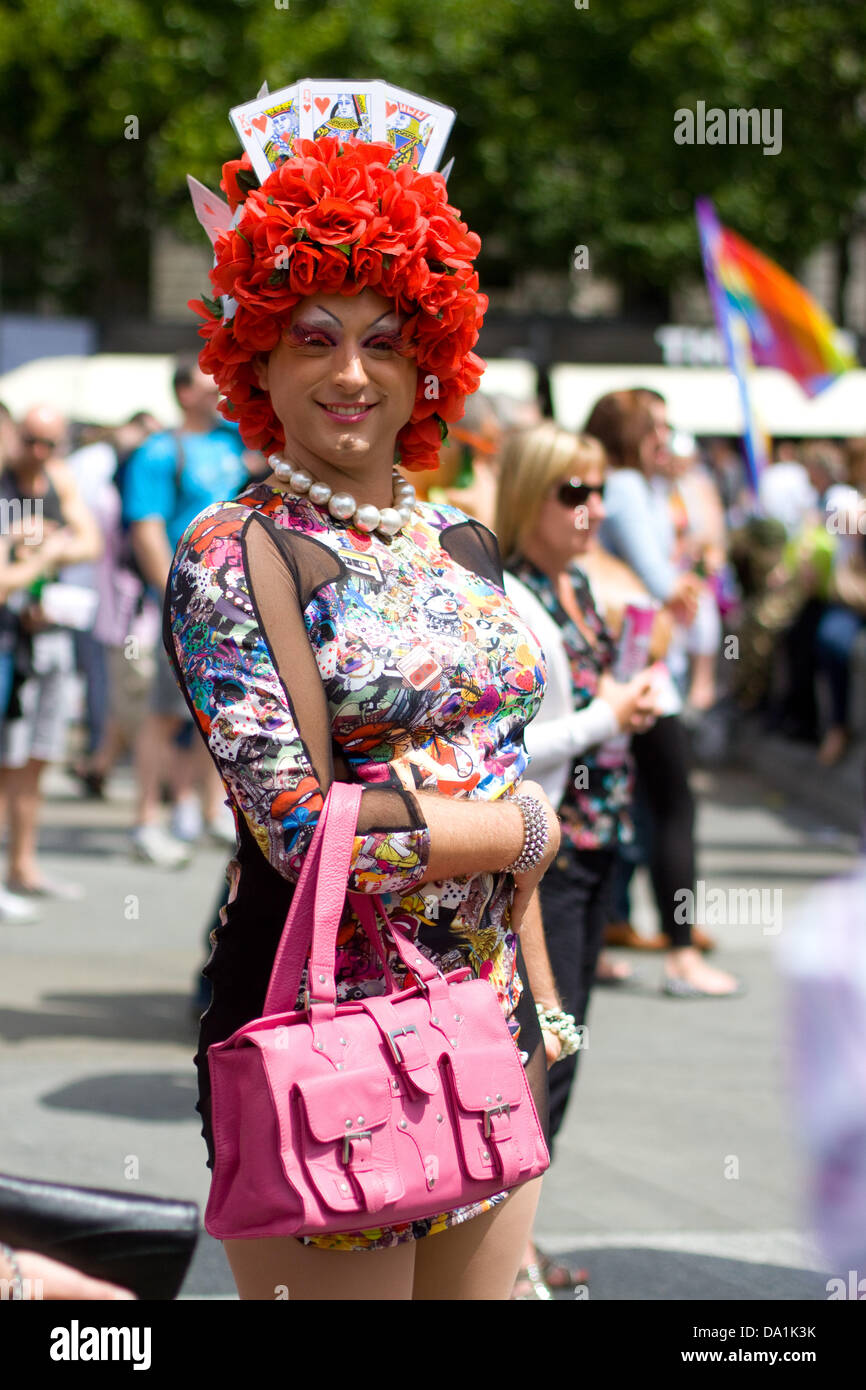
(120, 599)
(286, 612)
(638, 530)
(699, 544)
(785, 493)
(808, 560)
(548, 510)
(34, 732)
(844, 612)
(164, 484)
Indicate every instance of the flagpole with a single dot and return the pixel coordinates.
(735, 340)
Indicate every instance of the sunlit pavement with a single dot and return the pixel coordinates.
(677, 1173)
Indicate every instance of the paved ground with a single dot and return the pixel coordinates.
(675, 1097)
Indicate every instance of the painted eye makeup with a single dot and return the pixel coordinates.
(391, 341)
(306, 335)
(314, 335)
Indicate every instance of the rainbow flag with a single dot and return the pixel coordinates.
(786, 327)
(734, 330)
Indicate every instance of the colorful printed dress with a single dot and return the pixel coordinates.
(308, 650)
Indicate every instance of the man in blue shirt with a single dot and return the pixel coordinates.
(166, 482)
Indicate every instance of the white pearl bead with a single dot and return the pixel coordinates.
(319, 494)
(367, 517)
(390, 521)
(300, 479)
(404, 492)
(283, 470)
(405, 515)
(342, 505)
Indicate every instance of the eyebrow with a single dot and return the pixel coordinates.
(318, 309)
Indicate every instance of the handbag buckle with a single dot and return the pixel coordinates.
(347, 1139)
(311, 999)
(396, 1051)
(494, 1110)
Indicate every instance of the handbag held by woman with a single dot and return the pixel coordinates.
(343, 1117)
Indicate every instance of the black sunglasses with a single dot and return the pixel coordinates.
(31, 441)
(574, 493)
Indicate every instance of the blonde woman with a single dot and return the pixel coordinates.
(549, 507)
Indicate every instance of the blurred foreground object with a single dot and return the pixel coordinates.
(140, 1243)
(823, 955)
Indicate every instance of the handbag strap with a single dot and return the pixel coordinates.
(313, 920)
(318, 899)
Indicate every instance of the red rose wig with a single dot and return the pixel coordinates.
(336, 219)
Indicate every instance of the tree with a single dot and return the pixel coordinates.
(565, 130)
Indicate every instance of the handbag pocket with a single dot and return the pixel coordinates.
(495, 1123)
(344, 1125)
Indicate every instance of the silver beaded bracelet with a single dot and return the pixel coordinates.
(12, 1260)
(563, 1026)
(535, 835)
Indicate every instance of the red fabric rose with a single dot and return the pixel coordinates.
(402, 237)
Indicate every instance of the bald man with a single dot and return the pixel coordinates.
(45, 520)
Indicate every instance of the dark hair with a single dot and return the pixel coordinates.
(185, 369)
(645, 393)
(621, 421)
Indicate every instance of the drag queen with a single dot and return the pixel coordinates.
(325, 625)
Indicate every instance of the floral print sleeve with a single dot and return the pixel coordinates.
(256, 692)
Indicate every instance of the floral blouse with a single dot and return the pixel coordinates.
(595, 808)
(308, 650)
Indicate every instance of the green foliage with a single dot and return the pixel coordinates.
(564, 133)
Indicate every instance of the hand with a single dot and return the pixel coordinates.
(55, 546)
(552, 1047)
(59, 1281)
(633, 702)
(526, 884)
(683, 602)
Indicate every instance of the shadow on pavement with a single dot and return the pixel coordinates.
(153, 1095)
(163, 1017)
(673, 1276)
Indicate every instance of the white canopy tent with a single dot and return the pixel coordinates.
(705, 400)
(104, 389)
(107, 388)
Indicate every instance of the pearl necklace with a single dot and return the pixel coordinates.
(342, 505)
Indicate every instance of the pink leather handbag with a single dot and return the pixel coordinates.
(344, 1117)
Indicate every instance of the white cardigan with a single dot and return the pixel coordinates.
(559, 732)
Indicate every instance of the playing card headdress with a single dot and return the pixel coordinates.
(337, 191)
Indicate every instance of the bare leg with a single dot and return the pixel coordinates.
(281, 1267)
(152, 761)
(480, 1259)
(22, 786)
(702, 691)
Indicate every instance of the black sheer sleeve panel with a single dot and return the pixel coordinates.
(475, 548)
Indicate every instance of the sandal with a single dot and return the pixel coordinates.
(529, 1286)
(558, 1276)
(684, 989)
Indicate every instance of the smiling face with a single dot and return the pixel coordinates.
(342, 386)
